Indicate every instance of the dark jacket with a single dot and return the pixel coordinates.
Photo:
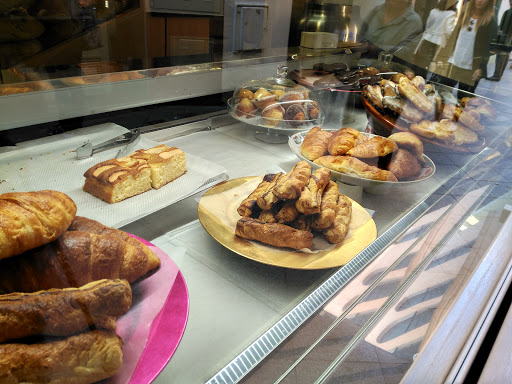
(484, 36)
(505, 29)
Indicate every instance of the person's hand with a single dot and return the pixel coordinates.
(477, 74)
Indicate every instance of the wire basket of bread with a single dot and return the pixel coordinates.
(405, 102)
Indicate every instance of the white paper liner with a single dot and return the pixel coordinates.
(51, 163)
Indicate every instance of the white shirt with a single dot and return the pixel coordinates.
(440, 24)
(462, 55)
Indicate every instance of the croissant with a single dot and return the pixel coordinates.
(278, 235)
(377, 146)
(63, 312)
(85, 358)
(338, 230)
(315, 143)
(74, 259)
(31, 219)
(352, 165)
(403, 164)
(290, 185)
(92, 226)
(342, 141)
(311, 196)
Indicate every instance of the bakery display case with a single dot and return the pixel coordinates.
(151, 192)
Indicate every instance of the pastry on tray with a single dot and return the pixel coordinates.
(118, 179)
(305, 204)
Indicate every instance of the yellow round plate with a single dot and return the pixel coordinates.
(337, 256)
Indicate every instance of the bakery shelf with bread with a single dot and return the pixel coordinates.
(65, 279)
(405, 102)
(353, 155)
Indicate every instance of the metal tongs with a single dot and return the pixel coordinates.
(130, 138)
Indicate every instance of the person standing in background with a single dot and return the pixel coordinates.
(504, 37)
(439, 26)
(468, 48)
(390, 26)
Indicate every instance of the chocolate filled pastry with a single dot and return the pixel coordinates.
(325, 218)
(312, 110)
(342, 141)
(403, 164)
(295, 115)
(268, 199)
(338, 230)
(249, 204)
(315, 143)
(275, 234)
(311, 196)
(287, 213)
(290, 185)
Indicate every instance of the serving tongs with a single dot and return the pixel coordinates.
(128, 138)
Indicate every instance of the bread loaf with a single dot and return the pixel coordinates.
(73, 260)
(64, 312)
(81, 359)
(31, 219)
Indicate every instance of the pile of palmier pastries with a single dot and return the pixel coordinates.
(419, 107)
(287, 209)
(393, 158)
(64, 280)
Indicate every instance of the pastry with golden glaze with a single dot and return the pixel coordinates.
(325, 218)
(352, 165)
(315, 143)
(342, 141)
(415, 95)
(338, 230)
(377, 146)
(410, 142)
(311, 197)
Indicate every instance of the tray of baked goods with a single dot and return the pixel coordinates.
(406, 103)
(108, 187)
(277, 104)
(371, 161)
(80, 301)
(341, 76)
(297, 219)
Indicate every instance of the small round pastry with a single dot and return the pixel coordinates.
(272, 115)
(245, 94)
(290, 98)
(312, 110)
(303, 90)
(245, 108)
(295, 115)
(278, 93)
(370, 71)
(262, 92)
(264, 101)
